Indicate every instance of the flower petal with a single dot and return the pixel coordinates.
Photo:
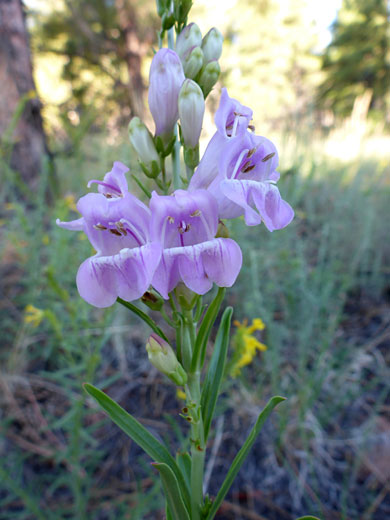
(73, 225)
(272, 209)
(198, 266)
(128, 274)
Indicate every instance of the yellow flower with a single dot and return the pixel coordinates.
(33, 315)
(245, 344)
(70, 201)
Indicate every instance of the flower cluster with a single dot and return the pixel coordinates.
(175, 237)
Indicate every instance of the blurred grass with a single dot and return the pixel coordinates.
(56, 452)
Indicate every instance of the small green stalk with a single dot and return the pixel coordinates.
(198, 448)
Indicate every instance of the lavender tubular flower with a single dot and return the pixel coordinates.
(117, 225)
(165, 80)
(245, 184)
(232, 120)
(186, 223)
(191, 110)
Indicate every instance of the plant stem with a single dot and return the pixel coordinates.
(198, 449)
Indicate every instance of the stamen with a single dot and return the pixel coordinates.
(251, 127)
(268, 157)
(252, 151)
(184, 227)
(120, 228)
(171, 220)
(196, 213)
(132, 230)
(248, 167)
(100, 227)
(115, 232)
(237, 166)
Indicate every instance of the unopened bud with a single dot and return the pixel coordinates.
(152, 300)
(181, 9)
(165, 79)
(193, 62)
(185, 296)
(209, 76)
(162, 6)
(142, 142)
(162, 357)
(189, 37)
(212, 45)
(191, 111)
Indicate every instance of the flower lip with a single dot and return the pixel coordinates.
(232, 118)
(114, 183)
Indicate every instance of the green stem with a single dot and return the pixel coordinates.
(189, 172)
(176, 163)
(198, 448)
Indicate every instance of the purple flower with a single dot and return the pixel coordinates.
(165, 80)
(245, 184)
(232, 120)
(186, 223)
(117, 225)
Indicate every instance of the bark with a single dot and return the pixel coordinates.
(134, 52)
(24, 147)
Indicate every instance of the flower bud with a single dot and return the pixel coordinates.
(181, 8)
(185, 296)
(165, 79)
(162, 7)
(153, 300)
(162, 357)
(191, 111)
(189, 37)
(209, 76)
(212, 45)
(142, 142)
(193, 62)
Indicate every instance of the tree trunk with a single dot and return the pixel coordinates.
(22, 139)
(135, 50)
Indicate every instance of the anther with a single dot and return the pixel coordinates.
(196, 213)
(115, 232)
(100, 227)
(268, 157)
(171, 220)
(251, 152)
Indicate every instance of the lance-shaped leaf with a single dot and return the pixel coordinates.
(205, 329)
(242, 454)
(139, 434)
(144, 317)
(173, 496)
(216, 370)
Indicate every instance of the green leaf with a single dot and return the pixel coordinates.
(139, 434)
(216, 370)
(143, 317)
(205, 329)
(242, 454)
(175, 502)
